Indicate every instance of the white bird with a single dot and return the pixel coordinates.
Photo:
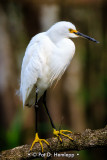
(46, 59)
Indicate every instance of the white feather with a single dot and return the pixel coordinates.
(46, 59)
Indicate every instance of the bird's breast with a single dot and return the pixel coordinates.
(54, 62)
(61, 58)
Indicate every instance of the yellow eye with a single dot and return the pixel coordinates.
(71, 30)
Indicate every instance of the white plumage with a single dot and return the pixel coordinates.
(46, 58)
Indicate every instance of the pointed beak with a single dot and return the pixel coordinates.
(85, 36)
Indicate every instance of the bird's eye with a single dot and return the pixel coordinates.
(71, 30)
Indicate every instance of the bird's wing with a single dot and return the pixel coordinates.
(31, 69)
(35, 41)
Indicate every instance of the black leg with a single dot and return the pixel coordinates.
(36, 110)
(37, 139)
(44, 102)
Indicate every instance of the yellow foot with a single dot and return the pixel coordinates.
(37, 139)
(60, 132)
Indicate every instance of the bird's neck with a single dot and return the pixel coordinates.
(55, 38)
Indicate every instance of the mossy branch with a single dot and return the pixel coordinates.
(81, 141)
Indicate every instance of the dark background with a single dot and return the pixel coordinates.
(80, 97)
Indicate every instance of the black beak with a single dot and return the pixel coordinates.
(85, 36)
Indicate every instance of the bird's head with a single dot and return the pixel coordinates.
(65, 29)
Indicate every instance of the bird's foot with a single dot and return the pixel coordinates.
(37, 139)
(61, 132)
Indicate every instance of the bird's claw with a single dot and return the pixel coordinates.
(37, 139)
(60, 132)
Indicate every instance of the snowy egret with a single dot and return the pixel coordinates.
(46, 59)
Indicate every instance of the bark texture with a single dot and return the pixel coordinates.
(81, 141)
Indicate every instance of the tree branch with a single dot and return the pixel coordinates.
(81, 141)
